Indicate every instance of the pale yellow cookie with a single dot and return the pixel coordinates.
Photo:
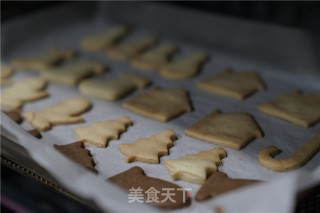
(184, 68)
(234, 130)
(155, 58)
(74, 73)
(300, 157)
(131, 49)
(100, 133)
(148, 150)
(300, 109)
(61, 113)
(26, 90)
(104, 40)
(196, 168)
(113, 89)
(233, 84)
(6, 72)
(45, 60)
(160, 104)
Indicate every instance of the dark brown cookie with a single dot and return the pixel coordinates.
(218, 210)
(77, 152)
(219, 183)
(14, 115)
(35, 133)
(135, 178)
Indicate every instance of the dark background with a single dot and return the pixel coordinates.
(38, 198)
(296, 14)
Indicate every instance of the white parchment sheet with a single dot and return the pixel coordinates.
(284, 58)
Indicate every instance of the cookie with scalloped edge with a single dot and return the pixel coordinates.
(148, 150)
(98, 134)
(196, 168)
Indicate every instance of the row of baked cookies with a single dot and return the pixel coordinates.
(192, 168)
(298, 108)
(234, 130)
(144, 53)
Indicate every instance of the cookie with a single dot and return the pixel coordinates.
(237, 85)
(184, 68)
(155, 58)
(300, 157)
(100, 133)
(135, 179)
(218, 210)
(45, 60)
(196, 168)
(160, 104)
(114, 89)
(297, 108)
(131, 49)
(74, 73)
(63, 112)
(77, 153)
(234, 130)
(6, 72)
(219, 183)
(23, 91)
(148, 150)
(35, 133)
(104, 40)
(14, 115)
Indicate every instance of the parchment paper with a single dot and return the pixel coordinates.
(284, 58)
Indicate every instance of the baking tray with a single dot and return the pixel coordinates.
(284, 58)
